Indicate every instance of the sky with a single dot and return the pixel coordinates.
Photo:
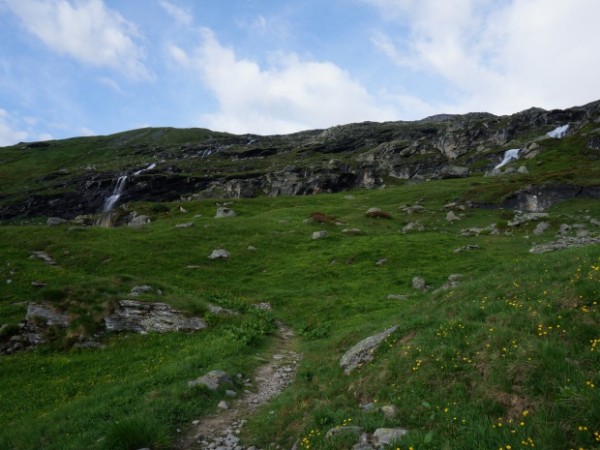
(93, 67)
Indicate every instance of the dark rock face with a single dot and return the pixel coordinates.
(220, 165)
(539, 198)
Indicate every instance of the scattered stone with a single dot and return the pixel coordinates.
(319, 234)
(222, 311)
(453, 281)
(523, 170)
(541, 228)
(563, 243)
(397, 297)
(351, 231)
(381, 262)
(219, 253)
(251, 248)
(231, 394)
(564, 229)
(412, 209)
(184, 225)
(378, 213)
(527, 217)
(419, 284)
(389, 411)
(413, 226)
(385, 436)
(475, 231)
(54, 221)
(138, 221)
(213, 380)
(469, 247)
(38, 284)
(182, 209)
(224, 212)
(145, 317)
(223, 405)
(137, 290)
(451, 217)
(582, 233)
(44, 257)
(595, 222)
(343, 430)
(362, 352)
(265, 306)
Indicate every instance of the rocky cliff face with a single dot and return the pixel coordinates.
(217, 165)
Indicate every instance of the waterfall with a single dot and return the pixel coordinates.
(509, 155)
(110, 202)
(141, 171)
(559, 132)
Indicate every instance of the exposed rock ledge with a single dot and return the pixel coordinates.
(564, 242)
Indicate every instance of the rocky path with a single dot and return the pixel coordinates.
(221, 430)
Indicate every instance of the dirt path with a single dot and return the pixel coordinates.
(220, 431)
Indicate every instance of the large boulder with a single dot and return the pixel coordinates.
(362, 352)
(145, 317)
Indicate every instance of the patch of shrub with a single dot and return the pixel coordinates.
(135, 433)
(319, 217)
(53, 295)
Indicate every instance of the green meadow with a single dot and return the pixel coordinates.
(509, 358)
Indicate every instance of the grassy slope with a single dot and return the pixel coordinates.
(484, 365)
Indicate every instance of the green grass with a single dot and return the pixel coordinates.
(506, 358)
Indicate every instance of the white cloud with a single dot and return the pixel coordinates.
(179, 14)
(290, 95)
(9, 134)
(499, 56)
(86, 30)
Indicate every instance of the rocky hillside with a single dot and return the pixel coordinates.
(73, 177)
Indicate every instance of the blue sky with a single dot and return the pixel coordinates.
(82, 67)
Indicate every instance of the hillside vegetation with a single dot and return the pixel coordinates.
(507, 356)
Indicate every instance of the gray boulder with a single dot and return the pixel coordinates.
(361, 352)
(419, 283)
(145, 317)
(319, 234)
(54, 221)
(385, 436)
(541, 228)
(451, 217)
(224, 212)
(213, 380)
(138, 221)
(44, 257)
(219, 253)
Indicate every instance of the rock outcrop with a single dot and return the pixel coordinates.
(362, 352)
(146, 317)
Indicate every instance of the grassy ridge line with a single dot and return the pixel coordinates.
(333, 306)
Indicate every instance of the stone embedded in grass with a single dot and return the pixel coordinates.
(520, 219)
(563, 243)
(541, 228)
(219, 253)
(413, 226)
(213, 380)
(54, 221)
(451, 217)
(184, 225)
(319, 234)
(419, 283)
(469, 247)
(44, 257)
(138, 221)
(351, 231)
(385, 436)
(224, 212)
(389, 411)
(397, 297)
(378, 213)
(362, 352)
(343, 430)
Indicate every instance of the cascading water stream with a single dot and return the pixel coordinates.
(109, 203)
(509, 155)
